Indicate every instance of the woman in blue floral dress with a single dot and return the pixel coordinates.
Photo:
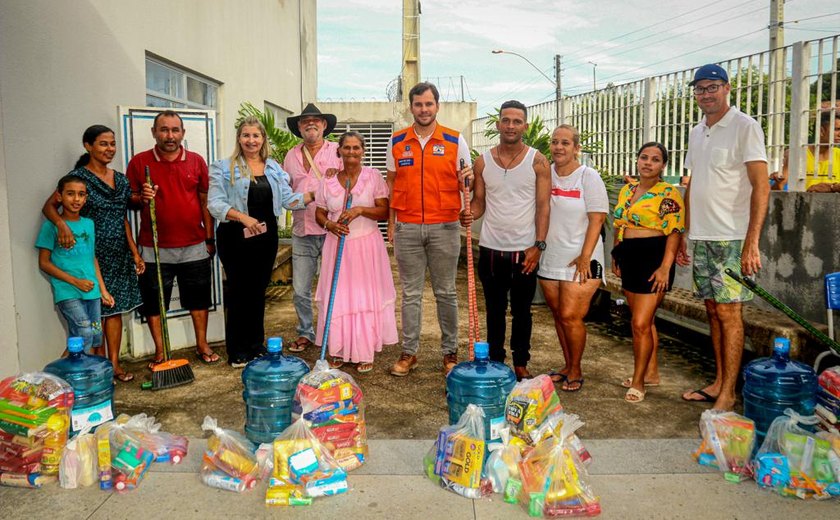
(116, 251)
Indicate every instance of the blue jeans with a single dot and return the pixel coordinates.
(83, 320)
(436, 247)
(306, 251)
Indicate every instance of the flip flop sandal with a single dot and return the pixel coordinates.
(634, 396)
(364, 368)
(299, 345)
(706, 397)
(124, 377)
(557, 377)
(155, 362)
(627, 383)
(568, 382)
(336, 362)
(210, 358)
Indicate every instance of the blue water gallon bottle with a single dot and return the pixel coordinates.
(484, 383)
(92, 379)
(775, 383)
(270, 382)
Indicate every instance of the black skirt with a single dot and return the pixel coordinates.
(638, 258)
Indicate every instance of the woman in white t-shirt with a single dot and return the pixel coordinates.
(571, 267)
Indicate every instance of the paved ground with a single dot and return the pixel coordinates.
(415, 407)
(642, 466)
(635, 479)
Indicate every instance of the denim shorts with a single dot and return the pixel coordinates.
(83, 320)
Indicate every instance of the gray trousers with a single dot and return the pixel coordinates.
(436, 247)
(306, 251)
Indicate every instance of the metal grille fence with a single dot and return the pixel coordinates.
(786, 91)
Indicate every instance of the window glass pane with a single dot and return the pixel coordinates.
(197, 92)
(163, 79)
(153, 101)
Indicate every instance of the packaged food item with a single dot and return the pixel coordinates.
(228, 454)
(552, 426)
(530, 402)
(554, 481)
(78, 466)
(503, 463)
(456, 460)
(333, 406)
(34, 422)
(728, 443)
(166, 446)
(129, 463)
(303, 468)
(795, 462)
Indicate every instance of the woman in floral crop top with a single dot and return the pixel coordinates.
(649, 218)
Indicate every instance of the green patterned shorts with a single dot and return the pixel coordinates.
(711, 258)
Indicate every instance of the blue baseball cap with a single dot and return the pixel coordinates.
(710, 71)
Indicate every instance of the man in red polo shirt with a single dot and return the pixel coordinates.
(425, 178)
(185, 229)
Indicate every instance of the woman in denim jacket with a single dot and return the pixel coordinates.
(247, 193)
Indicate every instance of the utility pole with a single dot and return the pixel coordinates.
(776, 76)
(594, 82)
(558, 94)
(411, 46)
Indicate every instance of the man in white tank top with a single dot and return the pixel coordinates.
(511, 190)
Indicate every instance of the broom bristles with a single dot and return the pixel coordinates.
(174, 372)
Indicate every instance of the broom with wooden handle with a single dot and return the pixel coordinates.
(172, 372)
(472, 305)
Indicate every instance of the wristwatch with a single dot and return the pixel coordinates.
(540, 244)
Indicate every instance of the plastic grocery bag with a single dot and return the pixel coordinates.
(794, 461)
(530, 402)
(129, 458)
(303, 468)
(728, 442)
(165, 446)
(34, 421)
(229, 462)
(78, 461)
(502, 466)
(456, 460)
(554, 480)
(553, 426)
(333, 406)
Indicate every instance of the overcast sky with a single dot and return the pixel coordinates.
(360, 42)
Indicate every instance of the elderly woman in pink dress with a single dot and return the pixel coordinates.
(363, 316)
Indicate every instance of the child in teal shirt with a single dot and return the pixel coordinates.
(74, 273)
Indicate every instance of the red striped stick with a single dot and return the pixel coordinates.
(472, 306)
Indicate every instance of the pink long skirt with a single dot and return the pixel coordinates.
(363, 316)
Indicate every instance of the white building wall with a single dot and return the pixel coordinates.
(67, 65)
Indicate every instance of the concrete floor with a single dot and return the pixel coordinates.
(642, 466)
(415, 406)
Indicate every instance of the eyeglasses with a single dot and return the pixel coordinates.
(711, 89)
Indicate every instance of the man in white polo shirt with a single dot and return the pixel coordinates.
(726, 201)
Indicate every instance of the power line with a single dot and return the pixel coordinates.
(704, 7)
(675, 57)
(633, 49)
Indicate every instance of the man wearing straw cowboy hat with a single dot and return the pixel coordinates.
(185, 229)
(306, 164)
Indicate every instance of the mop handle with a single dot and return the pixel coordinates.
(334, 285)
(790, 313)
(472, 306)
(164, 329)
